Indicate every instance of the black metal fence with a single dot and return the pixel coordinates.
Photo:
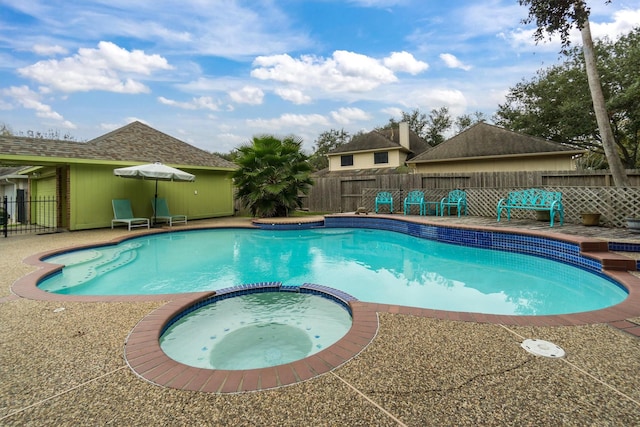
(24, 215)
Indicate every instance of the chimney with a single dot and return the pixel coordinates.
(404, 134)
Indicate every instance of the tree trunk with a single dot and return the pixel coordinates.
(618, 171)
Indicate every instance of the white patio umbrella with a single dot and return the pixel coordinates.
(157, 171)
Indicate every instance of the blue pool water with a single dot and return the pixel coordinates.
(372, 265)
(256, 330)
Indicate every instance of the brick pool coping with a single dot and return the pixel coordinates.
(145, 357)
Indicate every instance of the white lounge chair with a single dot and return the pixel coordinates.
(122, 213)
(161, 213)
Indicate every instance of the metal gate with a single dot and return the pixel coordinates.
(22, 215)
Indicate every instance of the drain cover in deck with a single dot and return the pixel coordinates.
(542, 348)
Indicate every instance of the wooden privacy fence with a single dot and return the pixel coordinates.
(582, 191)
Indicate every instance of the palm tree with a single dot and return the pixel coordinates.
(272, 174)
(559, 16)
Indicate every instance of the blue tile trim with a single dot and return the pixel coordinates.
(335, 295)
(624, 246)
(289, 226)
(556, 250)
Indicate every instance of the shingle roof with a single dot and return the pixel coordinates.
(6, 172)
(135, 142)
(485, 140)
(381, 139)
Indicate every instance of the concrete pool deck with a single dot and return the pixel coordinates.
(66, 367)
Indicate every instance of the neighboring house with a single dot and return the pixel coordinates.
(383, 149)
(13, 186)
(488, 148)
(80, 175)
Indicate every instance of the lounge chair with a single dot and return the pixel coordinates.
(384, 198)
(122, 213)
(161, 213)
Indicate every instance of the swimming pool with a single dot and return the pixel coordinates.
(372, 265)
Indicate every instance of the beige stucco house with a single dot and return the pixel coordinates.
(378, 149)
(488, 148)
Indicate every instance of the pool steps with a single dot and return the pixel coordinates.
(103, 262)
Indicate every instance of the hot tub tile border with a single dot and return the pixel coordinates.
(145, 357)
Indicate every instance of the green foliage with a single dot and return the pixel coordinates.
(433, 127)
(230, 156)
(556, 16)
(417, 120)
(465, 121)
(438, 123)
(5, 130)
(272, 173)
(326, 142)
(556, 104)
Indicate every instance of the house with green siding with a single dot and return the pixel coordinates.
(79, 176)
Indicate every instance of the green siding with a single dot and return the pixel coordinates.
(45, 213)
(94, 186)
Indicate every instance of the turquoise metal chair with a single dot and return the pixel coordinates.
(414, 197)
(384, 198)
(457, 199)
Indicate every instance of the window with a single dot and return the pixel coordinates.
(346, 160)
(382, 157)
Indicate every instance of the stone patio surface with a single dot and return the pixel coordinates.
(67, 367)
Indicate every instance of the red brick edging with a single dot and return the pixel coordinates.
(147, 360)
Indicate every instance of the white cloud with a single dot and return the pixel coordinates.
(393, 112)
(428, 98)
(345, 116)
(288, 121)
(31, 100)
(248, 95)
(624, 21)
(405, 62)
(343, 72)
(452, 62)
(201, 103)
(49, 50)
(96, 69)
(293, 95)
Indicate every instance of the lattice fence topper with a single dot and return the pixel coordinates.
(612, 203)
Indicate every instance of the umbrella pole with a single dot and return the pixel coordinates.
(155, 205)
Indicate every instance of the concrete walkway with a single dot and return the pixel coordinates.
(62, 364)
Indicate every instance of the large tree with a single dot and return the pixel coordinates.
(551, 105)
(326, 142)
(438, 123)
(273, 172)
(560, 16)
(417, 122)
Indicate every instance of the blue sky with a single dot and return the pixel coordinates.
(216, 73)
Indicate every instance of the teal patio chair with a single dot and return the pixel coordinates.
(122, 213)
(161, 213)
(457, 199)
(415, 197)
(384, 198)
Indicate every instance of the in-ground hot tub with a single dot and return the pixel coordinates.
(255, 328)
